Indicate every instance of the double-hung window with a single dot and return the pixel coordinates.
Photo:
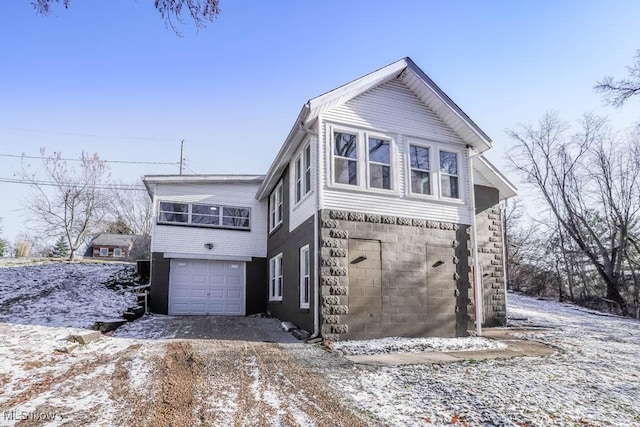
(304, 277)
(449, 175)
(379, 152)
(117, 252)
(104, 251)
(302, 171)
(275, 278)
(345, 157)
(275, 207)
(420, 169)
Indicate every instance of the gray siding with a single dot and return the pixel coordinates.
(282, 240)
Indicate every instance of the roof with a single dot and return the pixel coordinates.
(489, 172)
(149, 180)
(412, 76)
(107, 239)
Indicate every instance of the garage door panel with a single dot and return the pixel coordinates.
(201, 287)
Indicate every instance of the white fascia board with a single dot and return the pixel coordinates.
(201, 179)
(491, 173)
(177, 255)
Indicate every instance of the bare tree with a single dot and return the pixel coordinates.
(590, 184)
(133, 207)
(171, 11)
(67, 200)
(617, 92)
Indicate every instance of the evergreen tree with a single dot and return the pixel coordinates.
(60, 249)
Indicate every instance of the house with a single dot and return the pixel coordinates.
(124, 247)
(378, 217)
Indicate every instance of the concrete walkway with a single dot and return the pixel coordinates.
(516, 347)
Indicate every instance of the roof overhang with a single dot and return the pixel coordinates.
(489, 172)
(150, 181)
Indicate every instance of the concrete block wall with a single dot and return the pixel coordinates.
(414, 279)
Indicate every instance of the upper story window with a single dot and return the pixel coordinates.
(433, 171)
(379, 164)
(275, 207)
(345, 146)
(204, 215)
(362, 159)
(449, 175)
(420, 169)
(302, 174)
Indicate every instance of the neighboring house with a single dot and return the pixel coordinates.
(125, 247)
(364, 225)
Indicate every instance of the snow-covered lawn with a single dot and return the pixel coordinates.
(415, 345)
(592, 380)
(60, 294)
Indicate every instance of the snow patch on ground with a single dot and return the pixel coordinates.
(414, 345)
(60, 294)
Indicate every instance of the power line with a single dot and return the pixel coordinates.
(132, 187)
(106, 161)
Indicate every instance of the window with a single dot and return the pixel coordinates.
(275, 278)
(379, 164)
(345, 146)
(302, 174)
(117, 252)
(420, 170)
(449, 175)
(104, 251)
(304, 277)
(205, 215)
(174, 212)
(275, 207)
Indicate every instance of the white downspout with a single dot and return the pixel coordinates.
(316, 237)
(477, 277)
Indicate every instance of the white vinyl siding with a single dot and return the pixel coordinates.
(305, 275)
(275, 278)
(226, 242)
(392, 110)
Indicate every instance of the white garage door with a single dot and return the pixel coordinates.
(201, 287)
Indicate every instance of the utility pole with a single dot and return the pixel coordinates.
(181, 156)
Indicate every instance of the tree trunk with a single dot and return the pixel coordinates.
(614, 294)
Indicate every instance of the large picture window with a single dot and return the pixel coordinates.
(205, 215)
(304, 277)
(275, 207)
(275, 278)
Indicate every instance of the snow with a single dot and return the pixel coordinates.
(60, 294)
(592, 379)
(414, 345)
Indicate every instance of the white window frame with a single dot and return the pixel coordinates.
(362, 159)
(302, 175)
(190, 216)
(305, 277)
(276, 283)
(442, 174)
(433, 175)
(106, 252)
(117, 252)
(276, 207)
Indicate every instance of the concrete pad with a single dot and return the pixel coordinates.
(397, 359)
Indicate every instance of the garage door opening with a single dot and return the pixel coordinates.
(204, 287)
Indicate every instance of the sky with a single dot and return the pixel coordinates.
(111, 78)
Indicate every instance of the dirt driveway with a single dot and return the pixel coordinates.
(164, 371)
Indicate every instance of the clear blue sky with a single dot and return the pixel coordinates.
(108, 77)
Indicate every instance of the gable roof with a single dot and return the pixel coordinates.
(412, 76)
(108, 239)
(490, 173)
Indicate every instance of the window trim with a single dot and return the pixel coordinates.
(189, 214)
(459, 175)
(276, 207)
(118, 253)
(105, 249)
(362, 160)
(432, 174)
(304, 260)
(275, 275)
(302, 176)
